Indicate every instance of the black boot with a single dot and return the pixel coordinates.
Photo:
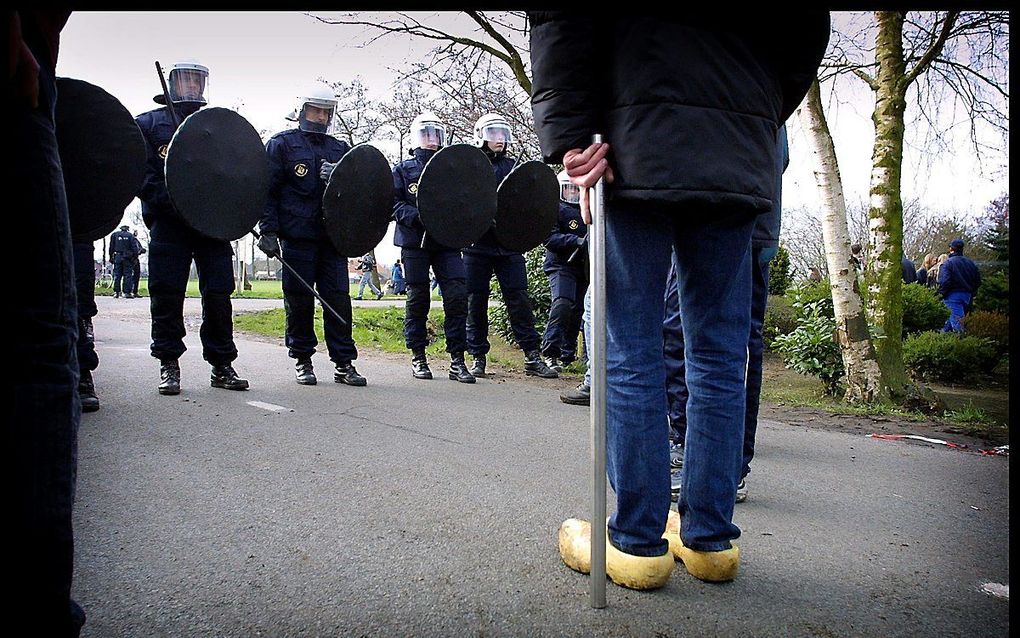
(420, 366)
(169, 377)
(223, 376)
(345, 373)
(116, 295)
(458, 369)
(553, 363)
(581, 395)
(304, 372)
(87, 392)
(535, 367)
(478, 366)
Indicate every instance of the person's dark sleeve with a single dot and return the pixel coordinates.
(563, 242)
(565, 62)
(404, 212)
(270, 222)
(153, 189)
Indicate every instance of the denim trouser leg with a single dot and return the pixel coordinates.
(957, 304)
(760, 257)
(586, 321)
(714, 276)
(673, 349)
(637, 253)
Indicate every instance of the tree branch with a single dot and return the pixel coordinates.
(934, 50)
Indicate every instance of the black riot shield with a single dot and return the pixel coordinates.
(457, 196)
(528, 201)
(217, 173)
(358, 203)
(102, 154)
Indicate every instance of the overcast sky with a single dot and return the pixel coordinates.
(259, 62)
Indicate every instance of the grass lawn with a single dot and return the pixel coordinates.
(259, 290)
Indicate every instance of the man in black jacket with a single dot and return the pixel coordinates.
(713, 89)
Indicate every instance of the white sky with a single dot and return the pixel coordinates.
(259, 62)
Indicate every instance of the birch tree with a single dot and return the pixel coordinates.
(956, 53)
(864, 382)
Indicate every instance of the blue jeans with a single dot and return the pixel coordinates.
(957, 303)
(715, 297)
(366, 280)
(586, 320)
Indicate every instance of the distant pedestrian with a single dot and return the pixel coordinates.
(959, 280)
(367, 268)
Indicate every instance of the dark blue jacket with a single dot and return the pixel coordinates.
(123, 247)
(958, 274)
(488, 245)
(909, 274)
(566, 238)
(767, 226)
(157, 128)
(409, 230)
(294, 207)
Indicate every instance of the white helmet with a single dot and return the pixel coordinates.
(188, 81)
(427, 129)
(321, 97)
(569, 191)
(493, 127)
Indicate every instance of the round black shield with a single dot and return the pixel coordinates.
(358, 202)
(528, 201)
(217, 173)
(102, 154)
(457, 196)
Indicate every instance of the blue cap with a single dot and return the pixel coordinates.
(956, 244)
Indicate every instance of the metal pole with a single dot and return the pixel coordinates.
(597, 361)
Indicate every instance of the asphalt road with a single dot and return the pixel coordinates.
(430, 508)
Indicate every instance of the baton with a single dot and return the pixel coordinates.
(597, 276)
(577, 251)
(166, 96)
(306, 284)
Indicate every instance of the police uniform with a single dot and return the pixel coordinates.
(122, 253)
(137, 266)
(85, 287)
(481, 260)
(418, 251)
(568, 281)
(172, 246)
(294, 213)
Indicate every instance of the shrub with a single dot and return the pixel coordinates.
(993, 326)
(780, 277)
(993, 294)
(811, 348)
(947, 356)
(780, 319)
(806, 293)
(538, 293)
(922, 309)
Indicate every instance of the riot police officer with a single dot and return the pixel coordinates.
(566, 263)
(485, 257)
(173, 245)
(301, 161)
(418, 251)
(136, 264)
(85, 288)
(123, 251)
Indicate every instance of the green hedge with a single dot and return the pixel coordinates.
(947, 356)
(923, 309)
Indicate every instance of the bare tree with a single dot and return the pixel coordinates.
(499, 35)
(933, 61)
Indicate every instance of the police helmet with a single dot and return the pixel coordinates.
(188, 81)
(320, 97)
(493, 127)
(569, 191)
(427, 129)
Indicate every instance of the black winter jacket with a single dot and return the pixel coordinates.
(690, 103)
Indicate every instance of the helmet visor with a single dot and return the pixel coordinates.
(315, 118)
(497, 133)
(429, 135)
(570, 192)
(188, 85)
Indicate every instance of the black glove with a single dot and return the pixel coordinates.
(325, 169)
(269, 243)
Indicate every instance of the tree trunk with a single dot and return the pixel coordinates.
(885, 216)
(863, 374)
